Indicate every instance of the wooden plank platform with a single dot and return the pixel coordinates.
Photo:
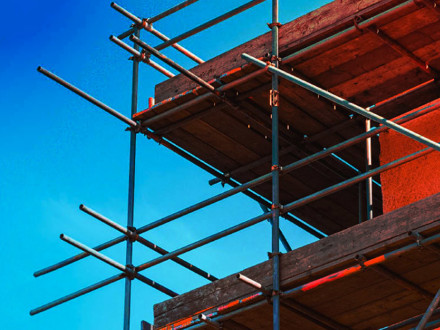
(360, 67)
(365, 300)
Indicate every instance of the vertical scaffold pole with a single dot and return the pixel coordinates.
(131, 180)
(274, 100)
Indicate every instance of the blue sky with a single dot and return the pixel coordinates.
(59, 151)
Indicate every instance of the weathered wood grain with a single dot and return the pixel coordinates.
(324, 21)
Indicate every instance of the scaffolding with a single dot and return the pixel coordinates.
(273, 210)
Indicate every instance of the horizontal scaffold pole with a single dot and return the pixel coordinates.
(296, 221)
(344, 103)
(95, 253)
(78, 293)
(86, 96)
(202, 98)
(141, 57)
(125, 34)
(289, 207)
(148, 27)
(202, 165)
(256, 285)
(316, 136)
(171, 10)
(205, 241)
(208, 24)
(349, 182)
(333, 277)
(128, 270)
(133, 235)
(242, 188)
(286, 169)
(79, 256)
(173, 64)
(358, 268)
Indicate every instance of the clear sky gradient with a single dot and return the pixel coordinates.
(59, 151)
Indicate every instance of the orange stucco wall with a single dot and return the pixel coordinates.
(417, 179)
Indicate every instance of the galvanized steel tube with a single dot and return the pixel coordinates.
(208, 24)
(171, 10)
(205, 241)
(86, 96)
(131, 184)
(346, 104)
(78, 293)
(146, 24)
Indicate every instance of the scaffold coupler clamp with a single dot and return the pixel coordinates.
(132, 234)
(276, 168)
(131, 272)
(144, 56)
(135, 129)
(276, 207)
(271, 25)
(276, 293)
(145, 25)
(225, 178)
(271, 293)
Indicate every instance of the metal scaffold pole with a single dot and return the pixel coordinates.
(131, 180)
(274, 100)
(369, 166)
